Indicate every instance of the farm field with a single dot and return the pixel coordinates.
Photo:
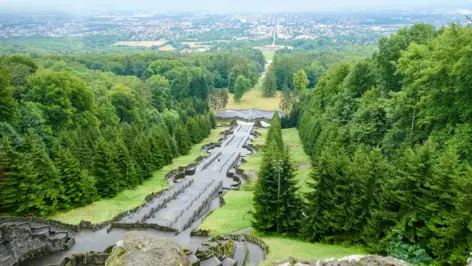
(140, 43)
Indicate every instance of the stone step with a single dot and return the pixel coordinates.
(240, 253)
(229, 262)
(8, 260)
(213, 261)
(192, 259)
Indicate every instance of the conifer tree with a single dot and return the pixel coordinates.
(193, 130)
(143, 157)
(290, 202)
(277, 204)
(183, 139)
(328, 168)
(275, 132)
(126, 166)
(265, 193)
(47, 175)
(105, 170)
(72, 179)
(212, 118)
(20, 189)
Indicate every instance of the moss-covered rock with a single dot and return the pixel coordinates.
(138, 248)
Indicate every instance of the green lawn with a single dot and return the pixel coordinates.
(253, 99)
(298, 155)
(106, 209)
(281, 248)
(233, 216)
(269, 55)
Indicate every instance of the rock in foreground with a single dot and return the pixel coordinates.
(354, 260)
(138, 248)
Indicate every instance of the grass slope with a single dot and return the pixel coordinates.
(106, 209)
(253, 99)
(233, 216)
(281, 248)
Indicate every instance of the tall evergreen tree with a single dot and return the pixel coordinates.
(275, 132)
(105, 170)
(72, 178)
(183, 140)
(126, 166)
(47, 174)
(19, 185)
(269, 87)
(276, 200)
(329, 169)
(8, 106)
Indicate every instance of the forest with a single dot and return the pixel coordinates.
(75, 129)
(389, 137)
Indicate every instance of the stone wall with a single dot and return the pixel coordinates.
(40, 220)
(142, 226)
(85, 259)
(247, 238)
(20, 242)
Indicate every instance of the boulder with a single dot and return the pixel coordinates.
(139, 248)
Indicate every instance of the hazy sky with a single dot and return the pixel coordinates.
(228, 5)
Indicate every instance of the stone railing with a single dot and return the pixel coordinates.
(248, 238)
(140, 225)
(43, 221)
(200, 232)
(85, 259)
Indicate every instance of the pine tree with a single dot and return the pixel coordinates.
(269, 87)
(126, 166)
(8, 106)
(212, 118)
(183, 140)
(19, 187)
(160, 148)
(71, 178)
(328, 167)
(275, 132)
(90, 190)
(277, 203)
(367, 171)
(265, 193)
(47, 174)
(406, 196)
(193, 130)
(289, 200)
(105, 170)
(142, 154)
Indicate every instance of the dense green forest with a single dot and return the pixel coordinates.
(74, 129)
(390, 138)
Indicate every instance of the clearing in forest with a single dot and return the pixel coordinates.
(140, 43)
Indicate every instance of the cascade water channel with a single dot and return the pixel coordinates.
(183, 206)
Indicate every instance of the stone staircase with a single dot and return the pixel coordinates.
(29, 237)
(180, 212)
(221, 253)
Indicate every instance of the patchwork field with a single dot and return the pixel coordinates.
(167, 48)
(140, 43)
(195, 45)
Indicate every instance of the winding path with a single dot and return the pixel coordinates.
(182, 207)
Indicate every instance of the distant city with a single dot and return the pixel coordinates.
(363, 27)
